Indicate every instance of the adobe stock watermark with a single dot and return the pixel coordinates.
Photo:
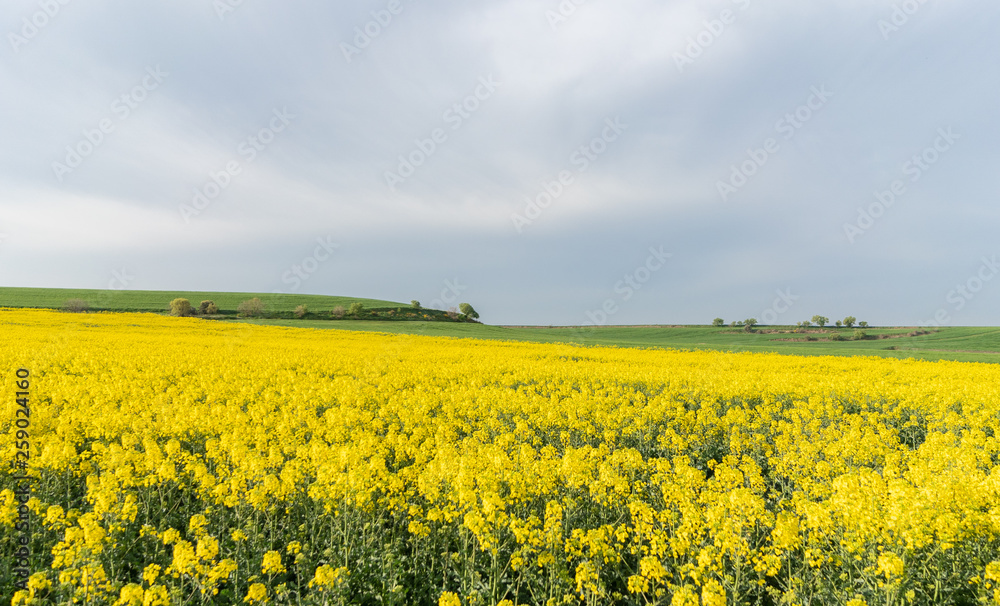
(713, 30)
(581, 159)
(915, 168)
(902, 12)
(563, 12)
(628, 286)
(449, 294)
(786, 126)
(249, 149)
(122, 107)
(33, 25)
(310, 264)
(224, 8)
(959, 297)
(366, 33)
(454, 117)
(781, 304)
(120, 281)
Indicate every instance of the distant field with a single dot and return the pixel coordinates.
(962, 344)
(159, 300)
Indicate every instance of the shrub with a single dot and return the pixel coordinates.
(468, 311)
(76, 305)
(251, 308)
(208, 308)
(836, 337)
(356, 308)
(838, 324)
(718, 322)
(180, 307)
(415, 304)
(301, 311)
(452, 313)
(338, 312)
(860, 334)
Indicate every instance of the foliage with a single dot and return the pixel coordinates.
(208, 308)
(301, 311)
(468, 311)
(338, 312)
(860, 335)
(863, 324)
(850, 321)
(718, 322)
(820, 320)
(251, 308)
(356, 308)
(415, 304)
(180, 307)
(76, 305)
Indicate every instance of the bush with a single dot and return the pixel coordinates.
(468, 311)
(180, 307)
(76, 305)
(415, 304)
(356, 308)
(836, 337)
(860, 335)
(208, 308)
(251, 308)
(301, 311)
(338, 312)
(452, 313)
(718, 322)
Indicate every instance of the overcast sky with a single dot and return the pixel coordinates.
(626, 162)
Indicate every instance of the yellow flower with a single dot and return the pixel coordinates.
(272, 563)
(151, 573)
(256, 594)
(890, 565)
(449, 599)
(131, 595)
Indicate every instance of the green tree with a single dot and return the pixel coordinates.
(863, 324)
(820, 321)
(718, 322)
(850, 321)
(356, 308)
(180, 307)
(468, 311)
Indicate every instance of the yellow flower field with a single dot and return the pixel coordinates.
(183, 461)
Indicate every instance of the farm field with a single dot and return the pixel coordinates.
(179, 461)
(958, 343)
(157, 301)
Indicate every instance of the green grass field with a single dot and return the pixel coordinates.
(159, 300)
(960, 343)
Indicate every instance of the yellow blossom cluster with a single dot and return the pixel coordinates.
(182, 461)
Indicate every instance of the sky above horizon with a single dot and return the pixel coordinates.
(549, 162)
